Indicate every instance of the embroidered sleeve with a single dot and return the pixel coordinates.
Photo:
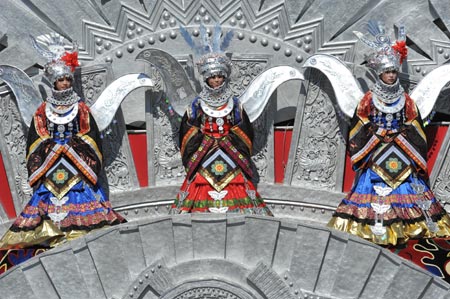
(42, 152)
(364, 135)
(413, 140)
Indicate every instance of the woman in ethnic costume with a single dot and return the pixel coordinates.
(216, 145)
(64, 159)
(390, 201)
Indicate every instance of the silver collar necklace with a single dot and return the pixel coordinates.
(216, 97)
(388, 93)
(64, 97)
(61, 119)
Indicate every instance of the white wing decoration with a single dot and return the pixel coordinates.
(428, 89)
(382, 191)
(379, 208)
(258, 93)
(178, 88)
(28, 98)
(346, 89)
(104, 109)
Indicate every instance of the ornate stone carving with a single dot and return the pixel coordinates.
(260, 150)
(210, 288)
(207, 292)
(316, 155)
(269, 282)
(168, 166)
(243, 72)
(115, 160)
(156, 78)
(93, 84)
(442, 186)
(263, 143)
(12, 131)
(117, 157)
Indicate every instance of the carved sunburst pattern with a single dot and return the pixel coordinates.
(299, 27)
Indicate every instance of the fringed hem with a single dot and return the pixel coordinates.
(396, 233)
(47, 234)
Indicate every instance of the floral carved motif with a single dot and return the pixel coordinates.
(316, 155)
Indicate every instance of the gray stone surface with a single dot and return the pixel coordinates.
(383, 272)
(308, 255)
(285, 246)
(110, 261)
(323, 263)
(40, 282)
(408, 283)
(235, 238)
(210, 289)
(86, 264)
(182, 234)
(10, 281)
(62, 268)
(258, 246)
(132, 244)
(206, 269)
(438, 290)
(160, 279)
(155, 244)
(347, 286)
(334, 255)
(209, 237)
(269, 282)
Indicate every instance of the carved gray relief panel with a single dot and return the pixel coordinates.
(263, 144)
(162, 125)
(244, 70)
(119, 171)
(211, 289)
(440, 176)
(320, 150)
(168, 167)
(441, 186)
(207, 292)
(13, 147)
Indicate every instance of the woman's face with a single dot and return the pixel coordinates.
(389, 77)
(63, 83)
(215, 81)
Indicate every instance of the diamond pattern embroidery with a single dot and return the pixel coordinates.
(392, 165)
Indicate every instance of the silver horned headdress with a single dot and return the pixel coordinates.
(211, 60)
(60, 62)
(210, 57)
(386, 55)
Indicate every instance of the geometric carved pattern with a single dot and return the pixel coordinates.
(270, 282)
(166, 125)
(212, 293)
(14, 141)
(320, 146)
